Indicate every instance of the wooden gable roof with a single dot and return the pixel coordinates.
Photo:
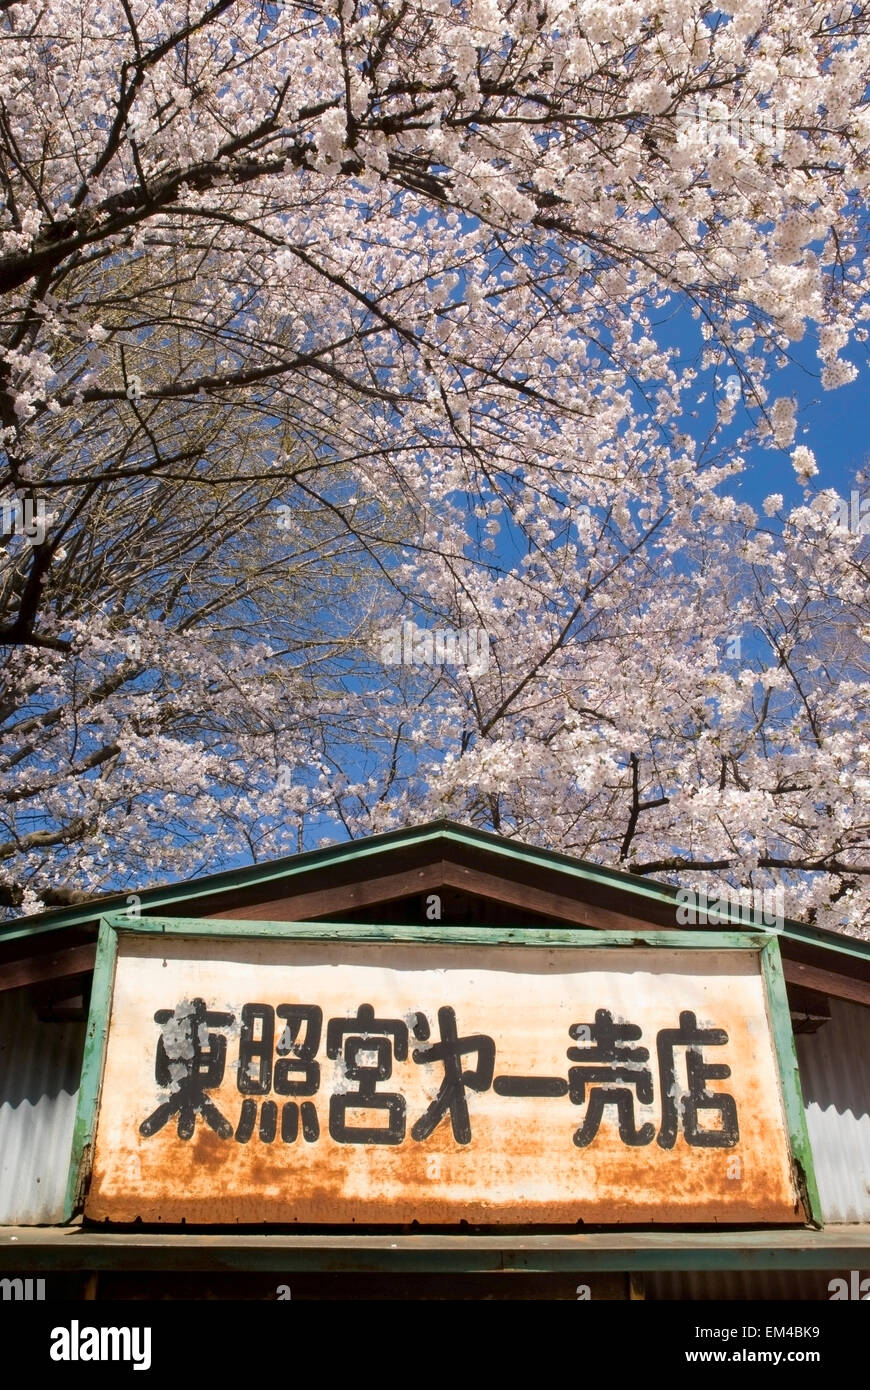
(474, 877)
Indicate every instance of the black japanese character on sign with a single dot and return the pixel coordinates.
(693, 1038)
(362, 1039)
(190, 1061)
(451, 1095)
(258, 1076)
(612, 1071)
(530, 1086)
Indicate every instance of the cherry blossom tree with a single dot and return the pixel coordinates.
(424, 275)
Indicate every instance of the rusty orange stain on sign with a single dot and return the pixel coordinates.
(281, 1082)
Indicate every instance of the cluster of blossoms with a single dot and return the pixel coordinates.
(419, 262)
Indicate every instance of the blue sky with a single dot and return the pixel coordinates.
(834, 424)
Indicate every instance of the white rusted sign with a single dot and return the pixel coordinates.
(280, 1080)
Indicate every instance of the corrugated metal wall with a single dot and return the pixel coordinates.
(40, 1066)
(835, 1077)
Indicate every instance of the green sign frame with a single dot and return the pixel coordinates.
(114, 926)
